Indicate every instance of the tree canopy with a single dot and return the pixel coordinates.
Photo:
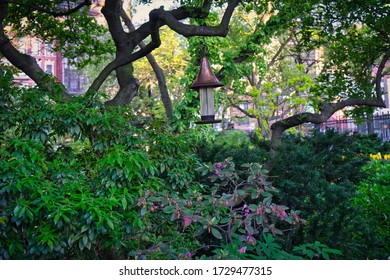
(120, 172)
(261, 41)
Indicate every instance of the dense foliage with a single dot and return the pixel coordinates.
(79, 181)
(83, 179)
(321, 175)
(338, 181)
(71, 174)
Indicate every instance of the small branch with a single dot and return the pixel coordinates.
(246, 113)
(277, 54)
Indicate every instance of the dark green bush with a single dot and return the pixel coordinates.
(319, 175)
(373, 199)
(234, 144)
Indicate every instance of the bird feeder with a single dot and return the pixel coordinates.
(205, 83)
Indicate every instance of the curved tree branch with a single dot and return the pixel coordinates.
(328, 109)
(24, 62)
(158, 18)
(179, 14)
(379, 75)
(156, 68)
(111, 10)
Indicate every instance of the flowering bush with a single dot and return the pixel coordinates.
(378, 156)
(234, 210)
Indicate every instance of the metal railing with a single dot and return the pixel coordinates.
(379, 124)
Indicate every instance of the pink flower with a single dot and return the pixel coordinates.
(187, 221)
(251, 240)
(283, 215)
(246, 210)
(242, 249)
(189, 255)
(218, 165)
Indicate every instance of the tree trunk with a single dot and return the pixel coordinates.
(128, 86)
(162, 85)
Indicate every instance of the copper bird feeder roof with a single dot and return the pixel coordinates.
(206, 77)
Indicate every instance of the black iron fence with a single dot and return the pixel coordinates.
(379, 124)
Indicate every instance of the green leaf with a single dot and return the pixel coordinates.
(81, 245)
(199, 231)
(16, 210)
(225, 220)
(11, 249)
(325, 255)
(216, 233)
(143, 211)
(56, 218)
(84, 228)
(124, 203)
(88, 245)
(20, 212)
(110, 223)
(50, 243)
(85, 240)
(91, 234)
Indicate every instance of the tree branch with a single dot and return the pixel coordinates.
(24, 62)
(179, 14)
(328, 109)
(246, 113)
(158, 18)
(110, 11)
(156, 69)
(379, 75)
(279, 51)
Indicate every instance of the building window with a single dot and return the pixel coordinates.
(244, 120)
(36, 48)
(244, 106)
(49, 49)
(22, 45)
(49, 68)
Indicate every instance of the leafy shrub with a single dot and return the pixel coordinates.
(233, 218)
(234, 144)
(319, 175)
(174, 155)
(373, 196)
(79, 181)
(70, 177)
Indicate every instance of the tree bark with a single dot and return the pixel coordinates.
(125, 42)
(157, 18)
(162, 84)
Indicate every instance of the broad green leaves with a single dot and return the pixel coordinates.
(77, 36)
